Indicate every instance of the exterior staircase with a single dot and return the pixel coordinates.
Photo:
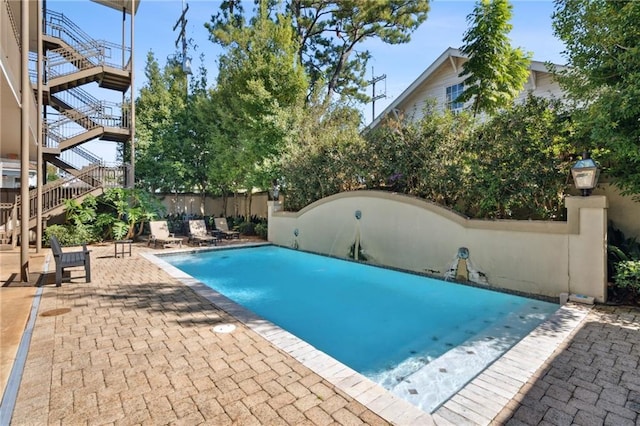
(74, 59)
(91, 180)
(73, 116)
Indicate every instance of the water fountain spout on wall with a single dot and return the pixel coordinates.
(462, 269)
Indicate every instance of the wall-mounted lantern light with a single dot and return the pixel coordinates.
(585, 174)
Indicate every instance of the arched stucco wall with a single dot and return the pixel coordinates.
(409, 233)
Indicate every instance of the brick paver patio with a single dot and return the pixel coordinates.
(593, 378)
(137, 347)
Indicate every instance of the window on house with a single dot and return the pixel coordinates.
(453, 92)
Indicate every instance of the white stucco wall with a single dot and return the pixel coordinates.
(545, 258)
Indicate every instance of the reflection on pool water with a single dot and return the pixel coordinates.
(418, 337)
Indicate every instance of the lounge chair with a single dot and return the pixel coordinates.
(160, 235)
(67, 259)
(198, 233)
(223, 228)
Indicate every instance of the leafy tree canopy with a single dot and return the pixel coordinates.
(603, 78)
(161, 100)
(261, 88)
(326, 157)
(514, 166)
(495, 72)
(328, 31)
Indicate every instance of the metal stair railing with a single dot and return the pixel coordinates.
(113, 114)
(83, 116)
(79, 158)
(103, 113)
(111, 51)
(51, 138)
(75, 97)
(60, 127)
(92, 159)
(59, 26)
(89, 179)
(55, 193)
(60, 62)
(75, 122)
(6, 222)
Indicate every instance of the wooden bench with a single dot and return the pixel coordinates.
(67, 259)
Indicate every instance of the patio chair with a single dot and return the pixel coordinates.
(198, 233)
(223, 228)
(160, 235)
(67, 259)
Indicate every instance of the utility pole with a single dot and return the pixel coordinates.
(182, 37)
(375, 97)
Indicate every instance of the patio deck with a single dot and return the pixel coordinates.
(136, 346)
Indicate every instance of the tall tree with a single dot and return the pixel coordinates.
(326, 157)
(603, 78)
(495, 72)
(261, 89)
(158, 106)
(328, 32)
(194, 137)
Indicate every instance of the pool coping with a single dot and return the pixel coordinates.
(478, 402)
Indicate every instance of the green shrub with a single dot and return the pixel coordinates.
(246, 228)
(262, 230)
(69, 235)
(628, 275)
(513, 166)
(59, 231)
(619, 249)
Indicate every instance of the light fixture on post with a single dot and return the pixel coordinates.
(585, 174)
(275, 190)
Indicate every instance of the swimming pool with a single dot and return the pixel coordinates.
(418, 337)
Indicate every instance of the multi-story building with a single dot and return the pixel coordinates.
(54, 79)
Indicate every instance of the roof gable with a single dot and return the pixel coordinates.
(452, 58)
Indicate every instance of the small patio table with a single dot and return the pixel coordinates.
(124, 244)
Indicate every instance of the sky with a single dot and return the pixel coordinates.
(402, 64)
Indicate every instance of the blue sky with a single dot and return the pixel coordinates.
(402, 64)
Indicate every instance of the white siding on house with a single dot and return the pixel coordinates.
(432, 85)
(432, 88)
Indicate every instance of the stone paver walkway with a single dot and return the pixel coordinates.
(137, 347)
(592, 379)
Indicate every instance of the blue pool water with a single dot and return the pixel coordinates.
(385, 324)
